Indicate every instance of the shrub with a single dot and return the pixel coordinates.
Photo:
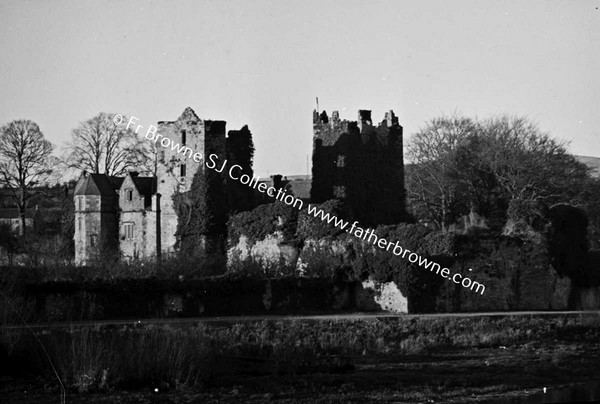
(325, 259)
(384, 266)
(568, 244)
(419, 285)
(440, 243)
(171, 267)
(526, 217)
(593, 267)
(260, 268)
(9, 242)
(315, 228)
(67, 228)
(14, 307)
(262, 221)
(43, 250)
(91, 360)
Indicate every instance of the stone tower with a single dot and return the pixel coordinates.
(96, 217)
(176, 170)
(361, 164)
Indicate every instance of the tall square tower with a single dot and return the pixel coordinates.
(360, 164)
(176, 170)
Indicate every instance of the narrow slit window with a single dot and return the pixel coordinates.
(183, 137)
(182, 170)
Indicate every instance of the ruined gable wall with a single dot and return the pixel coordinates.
(204, 137)
(169, 179)
(137, 202)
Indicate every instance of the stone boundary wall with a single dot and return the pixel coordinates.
(143, 298)
(518, 273)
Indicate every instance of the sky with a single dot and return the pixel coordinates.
(263, 63)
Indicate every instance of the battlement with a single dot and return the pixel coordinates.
(363, 120)
(360, 163)
(329, 131)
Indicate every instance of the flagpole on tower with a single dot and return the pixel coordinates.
(318, 105)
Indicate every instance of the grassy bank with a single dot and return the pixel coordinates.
(201, 358)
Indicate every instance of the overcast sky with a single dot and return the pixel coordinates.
(262, 63)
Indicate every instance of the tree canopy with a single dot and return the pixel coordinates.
(461, 164)
(25, 162)
(100, 146)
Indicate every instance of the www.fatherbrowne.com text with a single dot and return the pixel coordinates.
(367, 235)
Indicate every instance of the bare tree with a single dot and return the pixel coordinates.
(150, 164)
(100, 146)
(462, 164)
(527, 163)
(25, 162)
(434, 183)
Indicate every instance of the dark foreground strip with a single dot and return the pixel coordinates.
(324, 317)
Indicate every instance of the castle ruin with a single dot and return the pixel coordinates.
(360, 164)
(356, 162)
(135, 215)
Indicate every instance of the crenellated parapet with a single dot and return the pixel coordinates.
(360, 163)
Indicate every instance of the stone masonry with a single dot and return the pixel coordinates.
(122, 214)
(176, 171)
(361, 164)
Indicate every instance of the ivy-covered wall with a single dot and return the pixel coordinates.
(518, 271)
(240, 151)
(361, 164)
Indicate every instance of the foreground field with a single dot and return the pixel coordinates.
(390, 359)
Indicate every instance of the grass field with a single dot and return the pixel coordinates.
(390, 359)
